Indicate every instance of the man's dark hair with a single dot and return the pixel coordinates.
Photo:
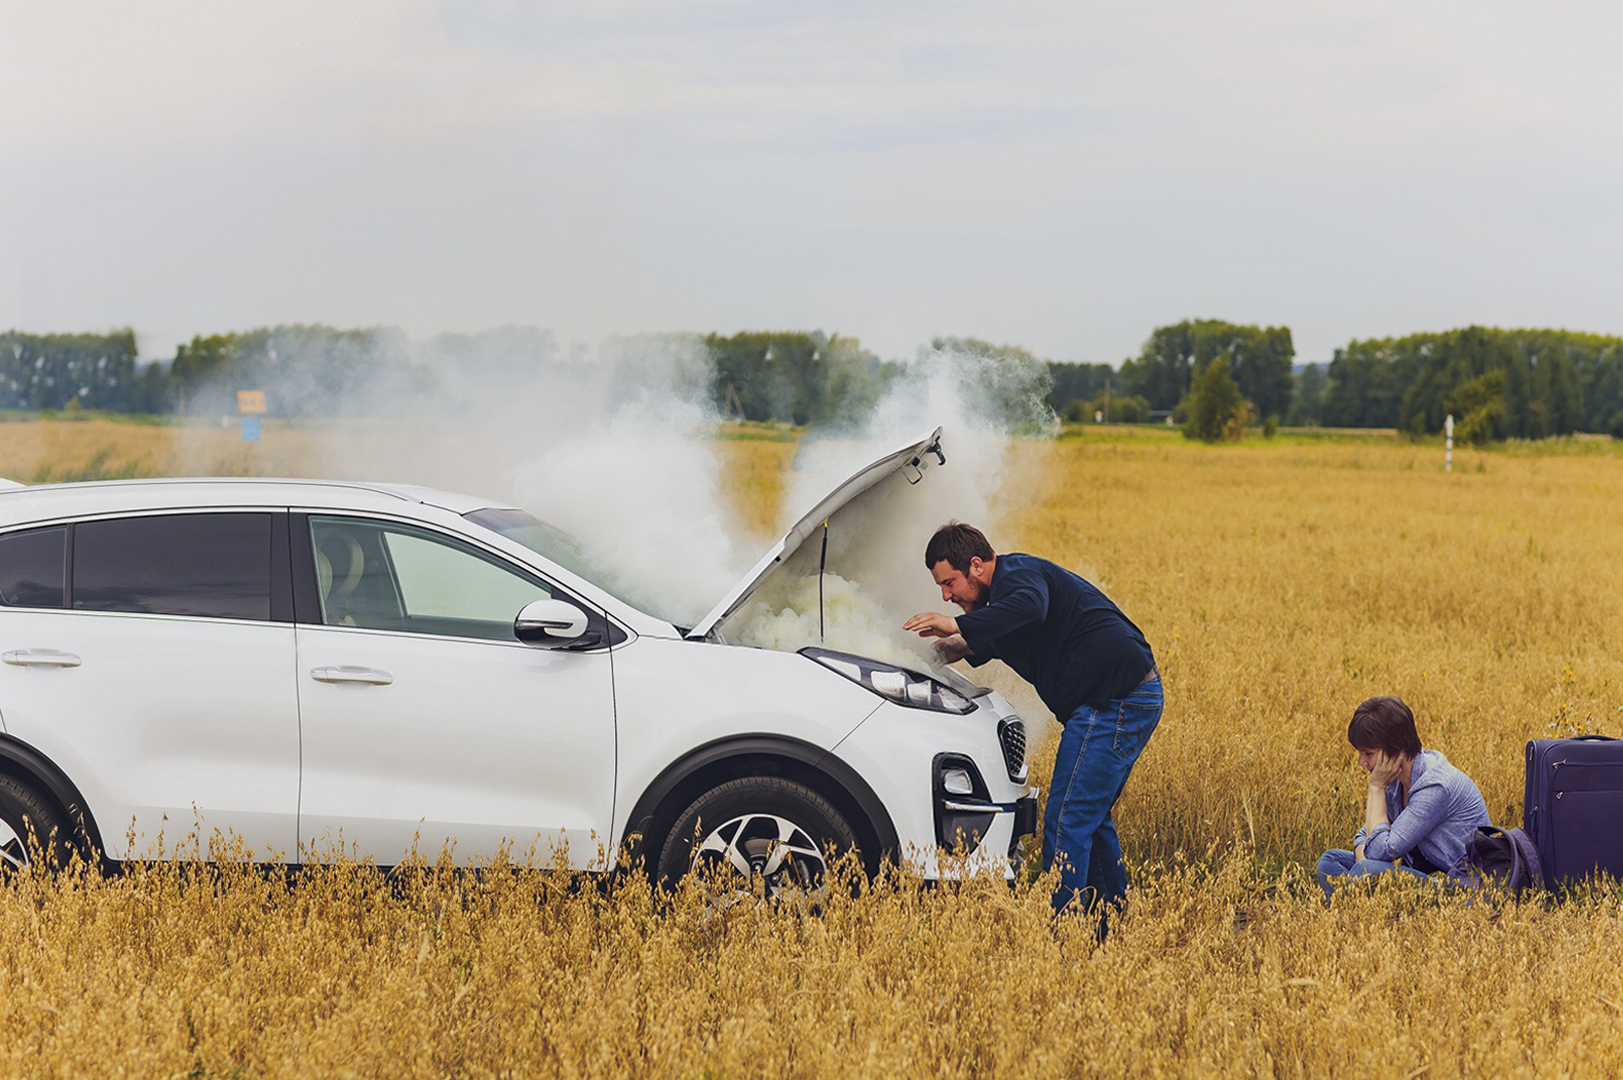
(957, 543)
(1384, 723)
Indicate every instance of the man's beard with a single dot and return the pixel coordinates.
(978, 601)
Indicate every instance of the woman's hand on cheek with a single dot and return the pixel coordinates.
(1384, 769)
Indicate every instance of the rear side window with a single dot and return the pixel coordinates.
(213, 565)
(33, 568)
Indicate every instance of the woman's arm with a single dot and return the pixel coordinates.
(1384, 770)
(1427, 809)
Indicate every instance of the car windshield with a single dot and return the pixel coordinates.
(559, 547)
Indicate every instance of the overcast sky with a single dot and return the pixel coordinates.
(1063, 176)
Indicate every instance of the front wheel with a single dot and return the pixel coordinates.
(759, 826)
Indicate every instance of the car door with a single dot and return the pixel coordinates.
(426, 723)
(151, 658)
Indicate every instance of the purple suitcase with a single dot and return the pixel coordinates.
(1573, 806)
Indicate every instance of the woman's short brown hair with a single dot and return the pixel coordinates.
(1384, 723)
(957, 543)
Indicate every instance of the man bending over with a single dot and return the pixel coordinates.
(1090, 665)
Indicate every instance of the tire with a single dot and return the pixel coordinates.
(30, 827)
(762, 826)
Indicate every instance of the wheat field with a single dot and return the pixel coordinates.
(1280, 582)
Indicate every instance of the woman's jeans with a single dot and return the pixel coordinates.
(1096, 753)
(1337, 867)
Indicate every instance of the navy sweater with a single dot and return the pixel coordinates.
(1059, 633)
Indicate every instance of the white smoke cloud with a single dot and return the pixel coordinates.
(616, 446)
(642, 492)
(876, 542)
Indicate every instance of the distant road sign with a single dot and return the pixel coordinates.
(250, 429)
(251, 401)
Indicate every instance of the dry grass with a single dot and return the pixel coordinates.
(1280, 585)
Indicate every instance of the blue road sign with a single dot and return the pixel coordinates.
(250, 429)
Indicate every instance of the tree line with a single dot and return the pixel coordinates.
(1217, 376)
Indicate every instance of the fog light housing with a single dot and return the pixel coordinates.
(957, 782)
(956, 777)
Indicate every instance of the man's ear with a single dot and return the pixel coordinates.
(975, 566)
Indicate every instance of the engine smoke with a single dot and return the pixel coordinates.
(876, 543)
(616, 446)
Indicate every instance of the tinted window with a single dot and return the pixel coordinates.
(394, 577)
(183, 564)
(33, 566)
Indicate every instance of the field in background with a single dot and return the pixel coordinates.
(1280, 583)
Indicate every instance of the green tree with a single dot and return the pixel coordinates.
(1477, 405)
(1072, 382)
(1258, 358)
(1216, 409)
(1117, 409)
(1307, 400)
(1368, 380)
(49, 371)
(1555, 381)
(795, 376)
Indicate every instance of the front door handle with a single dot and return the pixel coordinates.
(346, 674)
(40, 658)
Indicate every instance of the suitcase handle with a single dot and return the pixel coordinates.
(1593, 738)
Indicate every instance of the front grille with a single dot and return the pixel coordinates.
(1011, 735)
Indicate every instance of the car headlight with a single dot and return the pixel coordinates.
(901, 685)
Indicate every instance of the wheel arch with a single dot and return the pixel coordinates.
(24, 762)
(704, 767)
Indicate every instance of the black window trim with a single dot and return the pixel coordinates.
(67, 561)
(281, 575)
(307, 594)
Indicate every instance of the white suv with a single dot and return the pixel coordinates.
(309, 665)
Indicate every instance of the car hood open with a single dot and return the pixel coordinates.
(913, 459)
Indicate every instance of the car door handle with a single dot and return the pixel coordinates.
(40, 658)
(345, 673)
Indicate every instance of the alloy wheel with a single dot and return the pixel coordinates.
(13, 848)
(782, 853)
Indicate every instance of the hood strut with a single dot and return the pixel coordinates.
(822, 564)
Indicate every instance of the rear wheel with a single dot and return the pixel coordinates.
(758, 827)
(30, 826)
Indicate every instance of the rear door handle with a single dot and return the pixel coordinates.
(346, 674)
(40, 658)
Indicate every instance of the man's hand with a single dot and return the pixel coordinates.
(932, 624)
(950, 650)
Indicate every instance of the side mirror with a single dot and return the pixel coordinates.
(552, 624)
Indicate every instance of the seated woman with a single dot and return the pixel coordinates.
(1420, 810)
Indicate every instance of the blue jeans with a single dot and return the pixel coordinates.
(1097, 751)
(1338, 866)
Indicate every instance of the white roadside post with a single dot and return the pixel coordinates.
(1448, 442)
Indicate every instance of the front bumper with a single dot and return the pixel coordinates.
(1024, 811)
(964, 821)
(904, 755)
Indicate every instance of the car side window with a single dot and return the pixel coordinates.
(34, 568)
(211, 565)
(383, 576)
